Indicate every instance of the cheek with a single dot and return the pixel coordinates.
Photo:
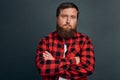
(61, 22)
(74, 24)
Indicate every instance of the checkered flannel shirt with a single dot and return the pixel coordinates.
(79, 45)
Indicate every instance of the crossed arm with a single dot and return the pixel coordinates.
(78, 66)
(48, 56)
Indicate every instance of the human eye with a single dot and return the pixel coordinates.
(73, 17)
(63, 16)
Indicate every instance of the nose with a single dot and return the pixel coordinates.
(68, 20)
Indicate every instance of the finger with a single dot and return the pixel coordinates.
(48, 56)
(45, 57)
(45, 54)
(48, 53)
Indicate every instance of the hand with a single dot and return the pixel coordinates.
(77, 60)
(48, 56)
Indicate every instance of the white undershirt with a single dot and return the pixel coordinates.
(65, 49)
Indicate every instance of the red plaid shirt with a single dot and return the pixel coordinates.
(79, 45)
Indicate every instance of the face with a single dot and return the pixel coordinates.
(66, 22)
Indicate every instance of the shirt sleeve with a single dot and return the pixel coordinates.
(51, 67)
(87, 62)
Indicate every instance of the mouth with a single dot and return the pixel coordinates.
(67, 25)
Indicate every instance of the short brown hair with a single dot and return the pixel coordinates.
(66, 5)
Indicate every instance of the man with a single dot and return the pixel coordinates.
(65, 54)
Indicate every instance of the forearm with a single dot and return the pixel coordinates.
(53, 67)
(80, 70)
(86, 64)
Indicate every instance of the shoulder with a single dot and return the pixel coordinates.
(50, 36)
(83, 36)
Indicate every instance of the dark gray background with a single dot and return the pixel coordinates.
(24, 22)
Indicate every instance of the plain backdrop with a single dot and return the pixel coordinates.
(24, 22)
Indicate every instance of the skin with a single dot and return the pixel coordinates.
(66, 23)
(67, 19)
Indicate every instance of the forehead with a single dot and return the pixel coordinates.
(69, 11)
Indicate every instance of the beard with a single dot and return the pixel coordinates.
(67, 32)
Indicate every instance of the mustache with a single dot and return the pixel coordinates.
(67, 25)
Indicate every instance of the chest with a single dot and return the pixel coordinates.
(60, 49)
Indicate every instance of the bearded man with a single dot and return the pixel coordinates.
(65, 54)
